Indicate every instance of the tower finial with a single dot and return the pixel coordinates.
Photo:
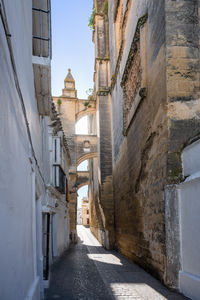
(69, 76)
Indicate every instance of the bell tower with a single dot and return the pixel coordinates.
(69, 86)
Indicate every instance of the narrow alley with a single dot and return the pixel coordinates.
(88, 271)
(99, 149)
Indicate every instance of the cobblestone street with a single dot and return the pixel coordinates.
(88, 271)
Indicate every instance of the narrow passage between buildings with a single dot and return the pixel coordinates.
(88, 271)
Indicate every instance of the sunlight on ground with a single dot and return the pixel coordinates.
(125, 282)
(135, 289)
(105, 259)
(82, 126)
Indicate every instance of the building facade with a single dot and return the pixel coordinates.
(147, 86)
(34, 154)
(85, 214)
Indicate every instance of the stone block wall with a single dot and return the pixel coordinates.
(183, 110)
(140, 152)
(183, 89)
(153, 119)
(102, 206)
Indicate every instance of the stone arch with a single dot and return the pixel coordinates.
(79, 186)
(82, 178)
(86, 157)
(84, 113)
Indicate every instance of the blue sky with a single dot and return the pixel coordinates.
(72, 45)
(72, 48)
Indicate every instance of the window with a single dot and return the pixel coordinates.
(134, 83)
(59, 176)
(41, 14)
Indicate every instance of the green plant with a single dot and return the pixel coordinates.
(105, 8)
(91, 95)
(87, 104)
(91, 19)
(59, 102)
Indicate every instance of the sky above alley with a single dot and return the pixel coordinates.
(72, 48)
(72, 45)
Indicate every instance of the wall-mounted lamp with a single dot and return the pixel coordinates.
(74, 189)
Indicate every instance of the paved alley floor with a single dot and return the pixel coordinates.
(87, 271)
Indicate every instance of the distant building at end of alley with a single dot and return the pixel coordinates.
(85, 215)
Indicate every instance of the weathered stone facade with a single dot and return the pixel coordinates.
(139, 162)
(102, 205)
(149, 70)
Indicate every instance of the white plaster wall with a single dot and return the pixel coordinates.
(191, 159)
(62, 228)
(189, 212)
(190, 242)
(46, 162)
(19, 15)
(18, 278)
(58, 208)
(21, 256)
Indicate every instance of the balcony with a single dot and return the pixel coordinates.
(59, 179)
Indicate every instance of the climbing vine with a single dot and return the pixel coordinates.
(91, 19)
(105, 8)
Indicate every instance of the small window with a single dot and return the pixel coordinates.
(41, 14)
(55, 150)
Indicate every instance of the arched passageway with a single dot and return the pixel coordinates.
(86, 122)
(85, 112)
(86, 157)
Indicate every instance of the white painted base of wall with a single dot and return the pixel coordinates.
(189, 210)
(34, 291)
(190, 285)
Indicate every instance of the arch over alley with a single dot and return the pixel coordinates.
(86, 157)
(82, 179)
(85, 112)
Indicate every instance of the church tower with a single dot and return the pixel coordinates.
(69, 86)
